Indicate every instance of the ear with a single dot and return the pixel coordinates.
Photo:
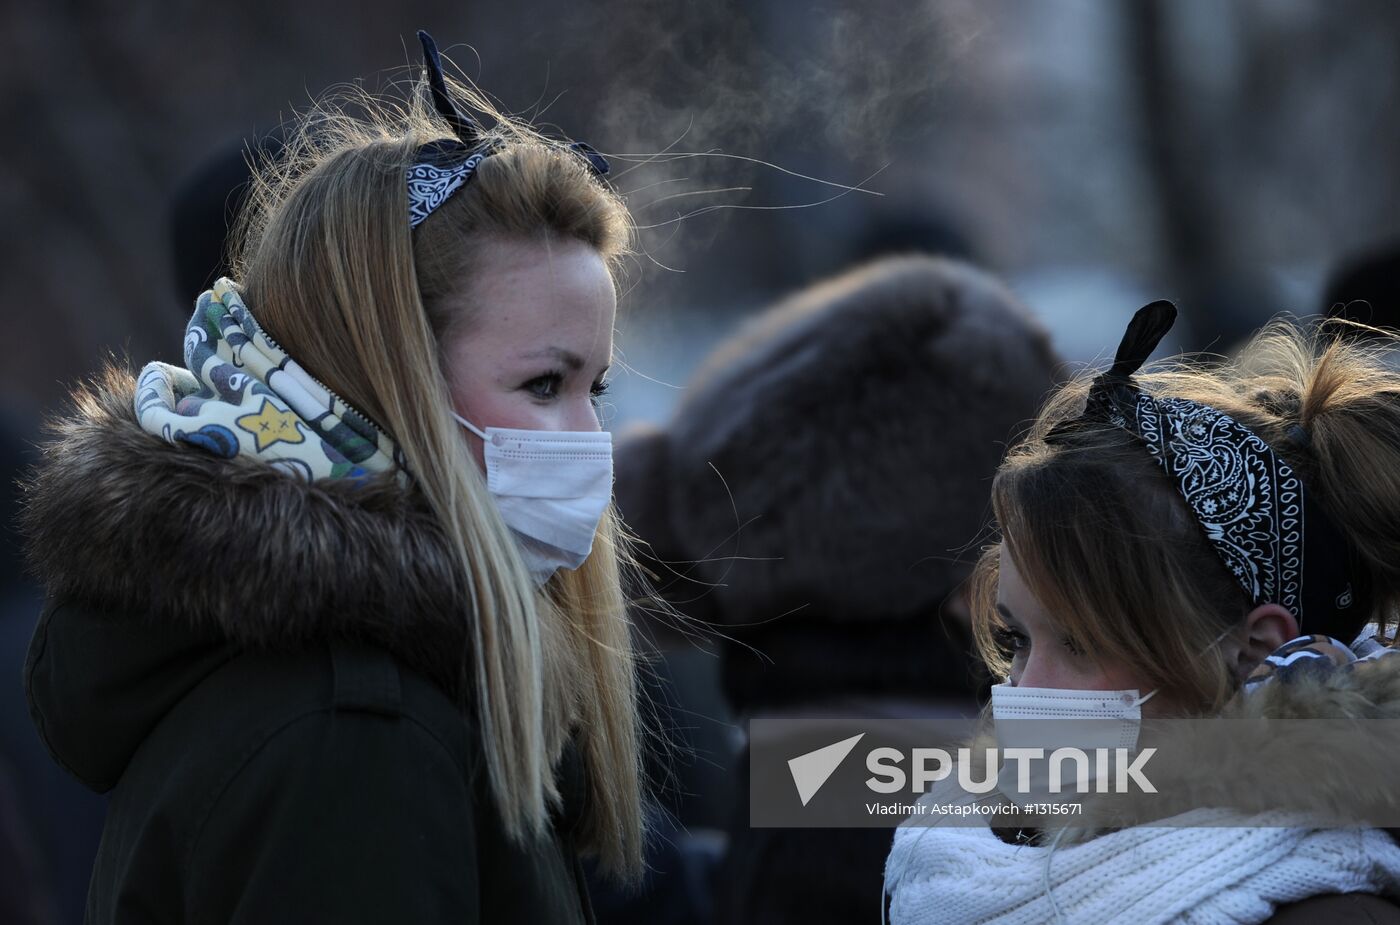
(1266, 627)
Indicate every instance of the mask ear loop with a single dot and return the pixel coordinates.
(1214, 641)
(1153, 693)
(1144, 698)
(468, 425)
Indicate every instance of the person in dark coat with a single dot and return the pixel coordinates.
(817, 497)
(335, 613)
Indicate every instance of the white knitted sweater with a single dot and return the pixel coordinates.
(1140, 875)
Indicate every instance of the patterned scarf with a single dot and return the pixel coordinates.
(1316, 655)
(241, 395)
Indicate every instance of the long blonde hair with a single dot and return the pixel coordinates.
(1107, 545)
(331, 268)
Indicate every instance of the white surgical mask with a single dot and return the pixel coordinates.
(551, 487)
(1049, 718)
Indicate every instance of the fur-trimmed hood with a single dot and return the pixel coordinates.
(217, 555)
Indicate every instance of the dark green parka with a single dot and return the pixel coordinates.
(265, 677)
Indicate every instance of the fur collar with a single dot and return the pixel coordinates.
(117, 519)
(1252, 762)
(1246, 765)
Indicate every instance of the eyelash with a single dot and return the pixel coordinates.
(551, 381)
(1013, 642)
(1008, 640)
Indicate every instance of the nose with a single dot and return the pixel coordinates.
(1040, 671)
(583, 416)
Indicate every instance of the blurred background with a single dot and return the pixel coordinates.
(1226, 154)
(1241, 158)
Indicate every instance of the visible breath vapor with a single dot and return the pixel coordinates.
(709, 109)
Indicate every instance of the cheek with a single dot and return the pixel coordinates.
(1055, 666)
(1161, 705)
(498, 408)
(1045, 667)
(1122, 678)
(483, 396)
(495, 405)
(489, 404)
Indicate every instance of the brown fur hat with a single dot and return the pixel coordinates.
(830, 465)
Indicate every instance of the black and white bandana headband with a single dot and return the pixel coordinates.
(443, 167)
(1254, 509)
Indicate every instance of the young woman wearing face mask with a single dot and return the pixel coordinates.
(335, 611)
(1200, 541)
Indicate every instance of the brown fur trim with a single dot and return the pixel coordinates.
(118, 519)
(1248, 763)
(1251, 763)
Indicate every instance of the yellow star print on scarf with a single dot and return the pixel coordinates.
(240, 394)
(270, 425)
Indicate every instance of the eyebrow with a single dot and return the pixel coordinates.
(567, 357)
(1006, 614)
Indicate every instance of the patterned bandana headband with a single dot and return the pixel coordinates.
(1252, 506)
(443, 167)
